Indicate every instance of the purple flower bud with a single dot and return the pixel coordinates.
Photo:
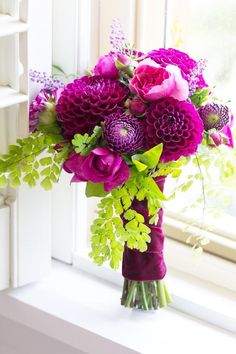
(123, 59)
(137, 107)
(106, 67)
(214, 138)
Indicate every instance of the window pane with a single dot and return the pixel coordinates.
(207, 29)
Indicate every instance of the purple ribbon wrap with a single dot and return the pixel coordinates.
(148, 265)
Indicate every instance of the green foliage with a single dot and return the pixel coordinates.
(172, 168)
(85, 143)
(95, 190)
(109, 232)
(149, 159)
(22, 163)
(118, 223)
(199, 97)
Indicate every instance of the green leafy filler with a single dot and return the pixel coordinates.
(24, 161)
(117, 222)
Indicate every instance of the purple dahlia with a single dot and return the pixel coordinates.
(124, 133)
(190, 69)
(177, 125)
(37, 106)
(85, 102)
(214, 116)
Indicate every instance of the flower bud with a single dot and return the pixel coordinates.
(106, 67)
(123, 59)
(137, 107)
(214, 138)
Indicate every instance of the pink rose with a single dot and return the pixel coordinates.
(100, 166)
(152, 82)
(106, 67)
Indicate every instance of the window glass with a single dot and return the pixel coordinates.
(207, 29)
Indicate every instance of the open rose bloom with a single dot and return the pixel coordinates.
(133, 121)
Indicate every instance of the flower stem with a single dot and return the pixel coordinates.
(130, 295)
(144, 296)
(167, 294)
(161, 293)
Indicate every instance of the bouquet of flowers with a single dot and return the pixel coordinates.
(131, 122)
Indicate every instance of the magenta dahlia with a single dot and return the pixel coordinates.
(85, 102)
(177, 125)
(191, 70)
(124, 133)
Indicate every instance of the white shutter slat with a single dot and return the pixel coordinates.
(4, 247)
(9, 97)
(10, 25)
(25, 220)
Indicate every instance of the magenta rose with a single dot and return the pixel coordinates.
(152, 82)
(100, 166)
(106, 67)
(73, 165)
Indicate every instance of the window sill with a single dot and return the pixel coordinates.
(83, 312)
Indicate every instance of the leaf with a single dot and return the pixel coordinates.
(155, 189)
(46, 183)
(95, 190)
(129, 214)
(152, 156)
(132, 225)
(46, 171)
(176, 173)
(58, 68)
(148, 159)
(3, 182)
(45, 161)
(144, 228)
(139, 218)
(139, 165)
(15, 182)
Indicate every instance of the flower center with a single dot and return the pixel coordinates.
(213, 118)
(123, 131)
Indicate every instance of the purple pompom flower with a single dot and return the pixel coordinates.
(39, 105)
(214, 115)
(177, 125)
(218, 117)
(124, 133)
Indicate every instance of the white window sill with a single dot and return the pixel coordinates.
(84, 313)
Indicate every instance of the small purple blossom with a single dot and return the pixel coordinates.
(195, 76)
(117, 37)
(46, 80)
